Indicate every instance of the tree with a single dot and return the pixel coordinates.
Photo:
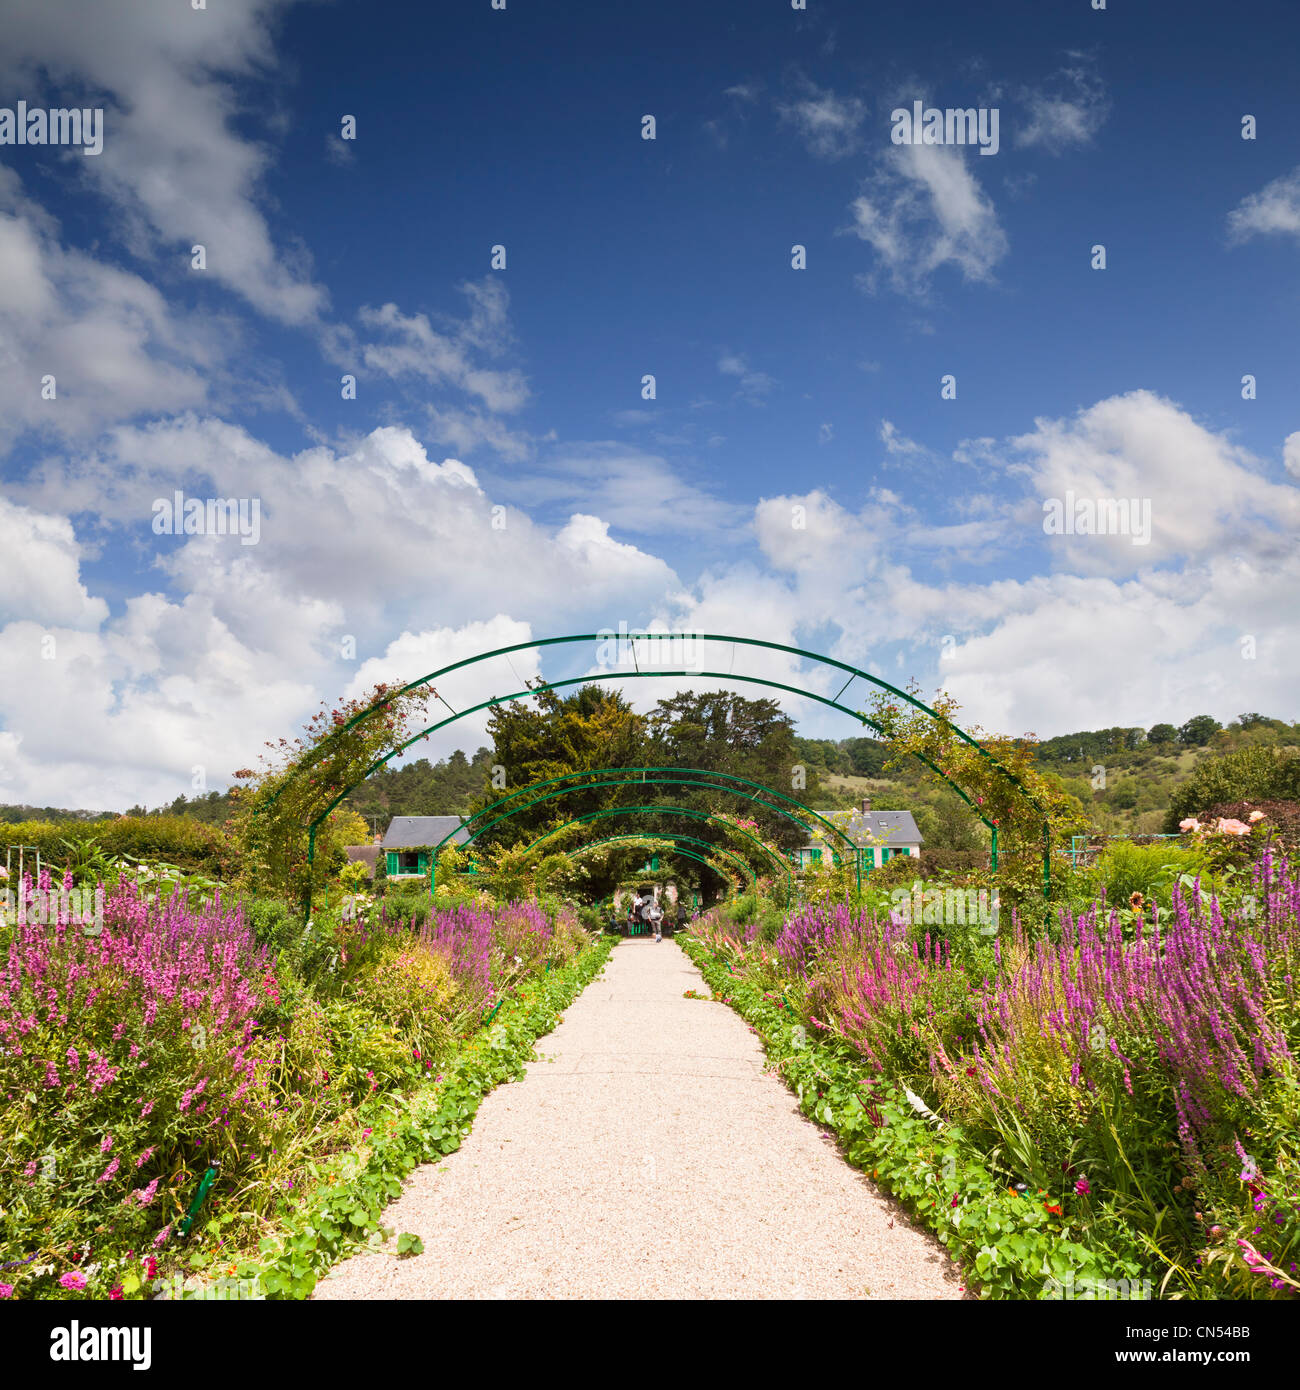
(724, 732)
(1198, 730)
(551, 735)
(1162, 733)
(1255, 773)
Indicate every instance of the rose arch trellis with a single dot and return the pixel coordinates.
(753, 792)
(853, 673)
(674, 839)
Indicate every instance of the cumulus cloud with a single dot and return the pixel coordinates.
(1204, 493)
(923, 210)
(1273, 211)
(110, 341)
(173, 163)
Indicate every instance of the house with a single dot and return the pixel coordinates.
(408, 841)
(364, 854)
(880, 834)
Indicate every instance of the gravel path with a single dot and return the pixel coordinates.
(647, 1154)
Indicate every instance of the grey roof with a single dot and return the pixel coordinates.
(363, 854)
(887, 828)
(408, 832)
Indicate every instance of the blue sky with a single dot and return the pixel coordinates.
(798, 476)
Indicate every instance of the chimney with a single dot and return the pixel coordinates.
(866, 805)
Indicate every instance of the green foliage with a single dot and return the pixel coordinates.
(1009, 1243)
(1252, 773)
(1198, 730)
(301, 779)
(1124, 868)
(345, 1215)
(179, 840)
(421, 788)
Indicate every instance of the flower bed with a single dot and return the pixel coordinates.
(171, 1044)
(1143, 1081)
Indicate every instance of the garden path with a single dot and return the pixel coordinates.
(647, 1154)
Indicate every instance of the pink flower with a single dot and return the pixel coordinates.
(1254, 1260)
(1232, 827)
(1082, 1188)
(76, 1281)
(115, 1294)
(145, 1195)
(160, 1237)
(6, 1290)
(1254, 816)
(106, 1143)
(1191, 823)
(108, 1172)
(144, 1157)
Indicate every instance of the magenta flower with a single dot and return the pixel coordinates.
(1082, 1188)
(76, 1281)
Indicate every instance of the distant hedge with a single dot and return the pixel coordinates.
(179, 840)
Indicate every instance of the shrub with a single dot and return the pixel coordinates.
(1124, 868)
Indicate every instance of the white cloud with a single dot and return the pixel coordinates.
(1274, 210)
(829, 124)
(922, 210)
(172, 163)
(415, 347)
(1065, 112)
(1205, 493)
(40, 578)
(110, 341)
(1291, 453)
(754, 385)
(632, 489)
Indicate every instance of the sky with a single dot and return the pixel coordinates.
(442, 267)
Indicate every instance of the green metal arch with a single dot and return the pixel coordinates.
(853, 672)
(630, 675)
(595, 786)
(711, 819)
(743, 864)
(671, 777)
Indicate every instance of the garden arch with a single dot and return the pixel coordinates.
(740, 862)
(854, 673)
(672, 777)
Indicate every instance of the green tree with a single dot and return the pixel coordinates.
(1198, 730)
(552, 735)
(724, 732)
(1162, 733)
(1255, 773)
